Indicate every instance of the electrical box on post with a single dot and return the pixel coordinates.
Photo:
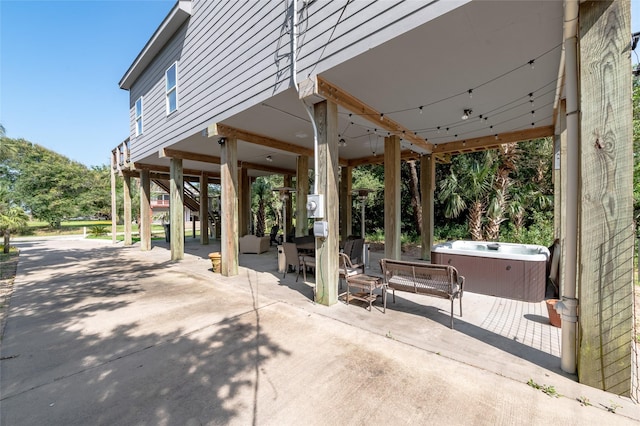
(321, 229)
(315, 206)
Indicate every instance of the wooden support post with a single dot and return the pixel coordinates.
(302, 190)
(204, 209)
(392, 197)
(288, 205)
(244, 201)
(427, 192)
(326, 117)
(229, 200)
(114, 202)
(346, 202)
(127, 209)
(605, 243)
(145, 210)
(176, 208)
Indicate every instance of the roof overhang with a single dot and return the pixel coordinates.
(174, 20)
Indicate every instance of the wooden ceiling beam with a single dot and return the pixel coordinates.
(165, 169)
(185, 155)
(332, 92)
(377, 159)
(490, 142)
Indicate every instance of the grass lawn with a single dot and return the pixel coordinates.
(75, 227)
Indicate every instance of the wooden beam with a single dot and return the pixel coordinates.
(379, 159)
(114, 202)
(326, 117)
(127, 209)
(427, 192)
(222, 130)
(302, 190)
(204, 210)
(346, 202)
(176, 209)
(145, 210)
(490, 142)
(165, 169)
(341, 97)
(392, 202)
(229, 200)
(605, 208)
(186, 155)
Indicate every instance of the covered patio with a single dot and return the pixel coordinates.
(459, 77)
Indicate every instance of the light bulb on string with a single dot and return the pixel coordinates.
(420, 109)
(532, 63)
(496, 136)
(381, 116)
(470, 93)
(438, 128)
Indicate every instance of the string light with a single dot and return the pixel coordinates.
(532, 63)
(496, 136)
(470, 93)
(420, 109)
(381, 116)
(438, 129)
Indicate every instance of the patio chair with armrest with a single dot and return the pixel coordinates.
(354, 249)
(292, 258)
(346, 268)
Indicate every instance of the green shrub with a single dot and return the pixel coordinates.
(98, 230)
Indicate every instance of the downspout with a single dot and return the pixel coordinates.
(568, 306)
(294, 81)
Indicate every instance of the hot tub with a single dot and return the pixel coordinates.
(514, 271)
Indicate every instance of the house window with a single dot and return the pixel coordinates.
(171, 78)
(139, 116)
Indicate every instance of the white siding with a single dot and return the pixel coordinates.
(235, 54)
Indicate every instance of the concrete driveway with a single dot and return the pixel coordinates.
(102, 334)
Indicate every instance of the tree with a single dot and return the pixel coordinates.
(261, 190)
(13, 219)
(466, 188)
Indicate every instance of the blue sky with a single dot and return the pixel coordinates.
(60, 64)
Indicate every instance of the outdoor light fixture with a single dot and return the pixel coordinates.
(269, 158)
(466, 114)
(362, 197)
(342, 143)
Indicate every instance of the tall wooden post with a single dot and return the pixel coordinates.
(288, 206)
(605, 243)
(346, 202)
(229, 197)
(392, 197)
(114, 201)
(244, 201)
(176, 208)
(204, 208)
(145, 210)
(326, 117)
(561, 130)
(427, 192)
(126, 195)
(302, 190)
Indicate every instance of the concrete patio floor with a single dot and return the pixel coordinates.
(102, 334)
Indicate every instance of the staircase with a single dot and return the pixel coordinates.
(191, 199)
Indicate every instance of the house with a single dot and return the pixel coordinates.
(225, 91)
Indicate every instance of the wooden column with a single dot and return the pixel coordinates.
(288, 204)
(326, 117)
(302, 190)
(244, 201)
(427, 192)
(204, 209)
(145, 210)
(229, 197)
(126, 195)
(176, 208)
(114, 202)
(346, 202)
(392, 197)
(605, 243)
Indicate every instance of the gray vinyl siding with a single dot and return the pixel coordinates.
(235, 54)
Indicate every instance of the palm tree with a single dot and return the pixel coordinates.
(466, 188)
(508, 156)
(261, 191)
(12, 219)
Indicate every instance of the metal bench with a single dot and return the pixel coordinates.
(422, 278)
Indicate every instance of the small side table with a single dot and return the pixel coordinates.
(366, 284)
